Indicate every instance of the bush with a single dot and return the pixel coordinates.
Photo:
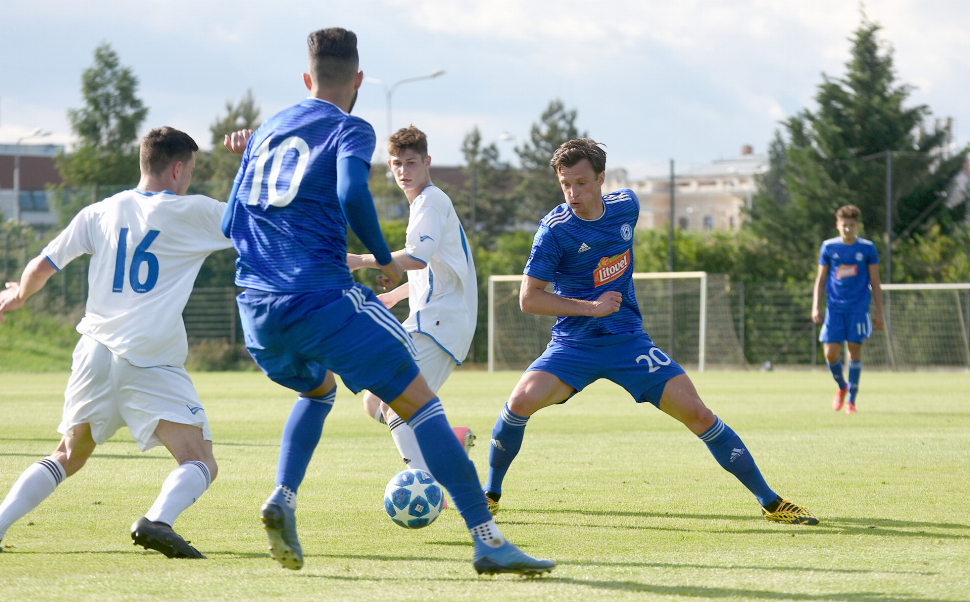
(217, 355)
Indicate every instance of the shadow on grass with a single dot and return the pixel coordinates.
(754, 594)
(828, 524)
(627, 564)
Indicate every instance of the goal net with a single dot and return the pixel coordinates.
(687, 314)
(927, 325)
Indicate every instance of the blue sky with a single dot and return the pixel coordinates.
(692, 80)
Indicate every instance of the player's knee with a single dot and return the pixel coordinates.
(213, 469)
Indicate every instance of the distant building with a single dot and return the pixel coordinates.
(709, 197)
(37, 170)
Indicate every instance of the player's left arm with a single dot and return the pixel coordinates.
(393, 297)
(35, 276)
(356, 262)
(877, 321)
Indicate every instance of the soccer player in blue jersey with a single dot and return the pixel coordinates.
(847, 267)
(584, 247)
(302, 180)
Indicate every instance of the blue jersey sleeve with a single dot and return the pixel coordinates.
(357, 140)
(358, 206)
(823, 258)
(545, 256)
(873, 255)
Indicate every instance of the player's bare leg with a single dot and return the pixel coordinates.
(40, 480)
(681, 401)
(449, 463)
(535, 390)
(196, 470)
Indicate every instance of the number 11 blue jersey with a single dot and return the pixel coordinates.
(286, 221)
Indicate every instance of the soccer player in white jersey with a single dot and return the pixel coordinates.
(847, 267)
(146, 248)
(442, 290)
(585, 248)
(302, 181)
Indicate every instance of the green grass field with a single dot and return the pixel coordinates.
(626, 500)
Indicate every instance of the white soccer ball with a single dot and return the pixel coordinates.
(413, 499)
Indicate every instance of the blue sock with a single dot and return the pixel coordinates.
(300, 437)
(855, 370)
(730, 452)
(836, 368)
(448, 462)
(506, 442)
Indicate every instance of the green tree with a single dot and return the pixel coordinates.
(490, 181)
(107, 130)
(219, 165)
(837, 156)
(537, 190)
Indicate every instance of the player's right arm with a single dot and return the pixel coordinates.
(358, 206)
(535, 299)
(35, 276)
(820, 278)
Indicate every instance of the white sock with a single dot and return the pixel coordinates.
(407, 443)
(181, 488)
(33, 487)
(488, 534)
(379, 415)
(289, 496)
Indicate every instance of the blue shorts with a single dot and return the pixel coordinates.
(630, 360)
(853, 326)
(295, 338)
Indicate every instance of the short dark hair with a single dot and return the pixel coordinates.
(848, 212)
(333, 56)
(405, 138)
(573, 151)
(163, 146)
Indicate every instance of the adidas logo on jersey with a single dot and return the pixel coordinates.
(583, 248)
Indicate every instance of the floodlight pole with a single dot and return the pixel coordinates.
(389, 91)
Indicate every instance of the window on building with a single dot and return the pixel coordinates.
(684, 223)
(33, 200)
(708, 222)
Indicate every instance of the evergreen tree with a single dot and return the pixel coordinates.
(837, 156)
(490, 181)
(538, 188)
(107, 130)
(219, 165)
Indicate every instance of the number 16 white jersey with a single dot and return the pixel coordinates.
(146, 249)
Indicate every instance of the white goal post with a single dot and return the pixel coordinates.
(676, 307)
(927, 325)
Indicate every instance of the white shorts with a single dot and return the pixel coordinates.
(107, 392)
(435, 363)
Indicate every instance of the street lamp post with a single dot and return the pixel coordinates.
(16, 170)
(389, 91)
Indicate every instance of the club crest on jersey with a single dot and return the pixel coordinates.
(846, 271)
(611, 268)
(626, 231)
(858, 256)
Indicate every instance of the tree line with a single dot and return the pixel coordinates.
(834, 154)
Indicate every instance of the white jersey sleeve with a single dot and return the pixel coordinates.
(443, 296)
(146, 250)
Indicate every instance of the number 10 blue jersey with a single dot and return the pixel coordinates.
(286, 220)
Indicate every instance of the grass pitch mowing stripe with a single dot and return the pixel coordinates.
(629, 503)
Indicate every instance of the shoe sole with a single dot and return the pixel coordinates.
(274, 522)
(487, 566)
(168, 547)
(801, 520)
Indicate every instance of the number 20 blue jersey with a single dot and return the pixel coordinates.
(286, 221)
(585, 258)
